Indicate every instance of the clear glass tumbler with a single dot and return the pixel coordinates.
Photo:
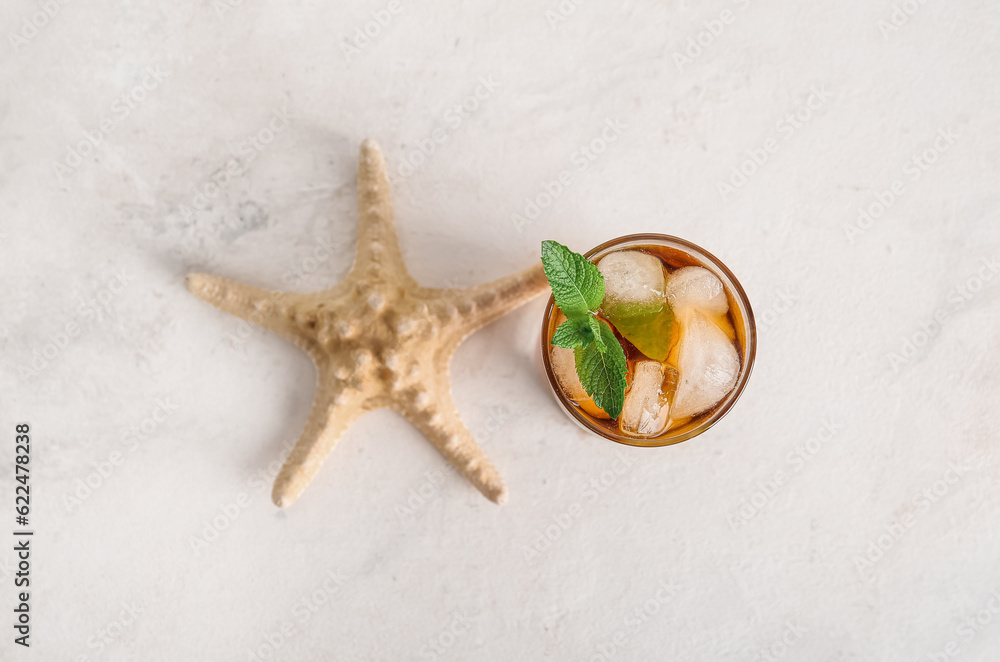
(739, 310)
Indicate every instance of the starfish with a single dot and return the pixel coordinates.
(378, 339)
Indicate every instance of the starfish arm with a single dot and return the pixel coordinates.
(440, 423)
(332, 413)
(260, 307)
(378, 258)
(480, 305)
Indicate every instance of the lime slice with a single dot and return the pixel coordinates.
(647, 325)
(635, 301)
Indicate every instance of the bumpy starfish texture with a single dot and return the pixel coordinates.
(378, 340)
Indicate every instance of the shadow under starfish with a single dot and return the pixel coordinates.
(378, 340)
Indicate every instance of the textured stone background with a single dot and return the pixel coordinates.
(873, 401)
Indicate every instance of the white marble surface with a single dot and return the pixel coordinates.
(348, 573)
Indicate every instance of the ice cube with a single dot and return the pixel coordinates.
(634, 301)
(646, 407)
(563, 363)
(696, 288)
(708, 366)
(564, 366)
(632, 277)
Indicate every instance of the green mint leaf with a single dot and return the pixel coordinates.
(602, 373)
(577, 285)
(578, 289)
(595, 330)
(571, 334)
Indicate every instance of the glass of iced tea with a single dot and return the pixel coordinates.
(688, 333)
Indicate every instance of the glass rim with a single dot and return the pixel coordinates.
(749, 347)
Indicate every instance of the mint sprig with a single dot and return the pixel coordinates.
(577, 285)
(602, 372)
(578, 289)
(571, 335)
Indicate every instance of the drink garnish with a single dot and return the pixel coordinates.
(635, 302)
(578, 289)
